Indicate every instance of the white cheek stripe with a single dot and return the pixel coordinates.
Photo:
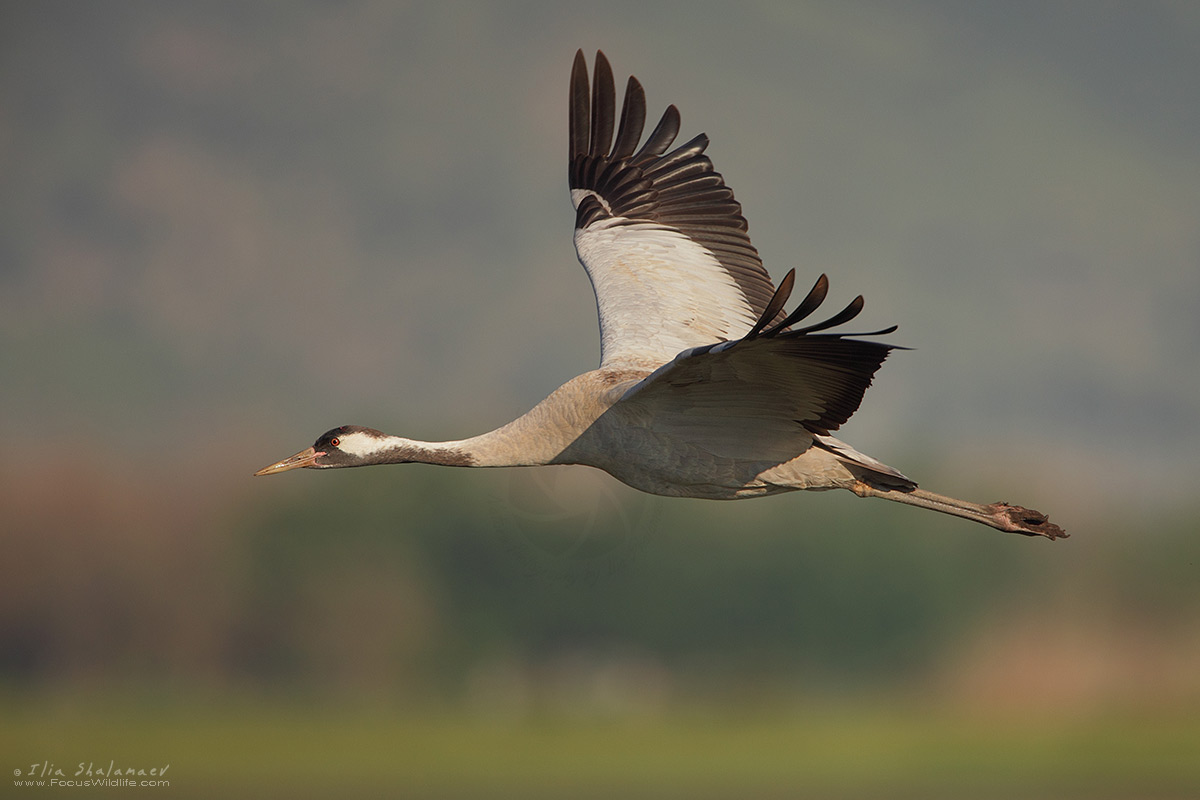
(362, 445)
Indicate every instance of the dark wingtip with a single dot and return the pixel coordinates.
(774, 305)
(579, 107)
(662, 136)
(633, 119)
(845, 315)
(814, 298)
(604, 101)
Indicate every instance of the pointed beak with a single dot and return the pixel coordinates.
(305, 458)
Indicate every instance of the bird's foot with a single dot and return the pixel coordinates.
(1017, 519)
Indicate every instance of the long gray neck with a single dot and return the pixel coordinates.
(398, 450)
(488, 450)
(534, 438)
(522, 442)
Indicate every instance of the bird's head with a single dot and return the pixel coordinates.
(347, 446)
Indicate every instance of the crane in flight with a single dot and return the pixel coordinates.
(707, 386)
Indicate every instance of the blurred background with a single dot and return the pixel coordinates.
(226, 228)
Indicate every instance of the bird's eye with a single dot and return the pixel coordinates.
(335, 441)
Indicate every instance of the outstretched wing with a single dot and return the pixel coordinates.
(772, 392)
(659, 233)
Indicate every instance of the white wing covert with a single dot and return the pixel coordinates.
(660, 234)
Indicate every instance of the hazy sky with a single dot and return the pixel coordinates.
(246, 224)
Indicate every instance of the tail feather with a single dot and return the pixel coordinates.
(887, 476)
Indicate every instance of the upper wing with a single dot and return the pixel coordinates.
(660, 236)
(770, 393)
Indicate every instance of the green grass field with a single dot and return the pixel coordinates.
(262, 751)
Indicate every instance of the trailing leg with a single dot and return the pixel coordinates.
(1001, 516)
